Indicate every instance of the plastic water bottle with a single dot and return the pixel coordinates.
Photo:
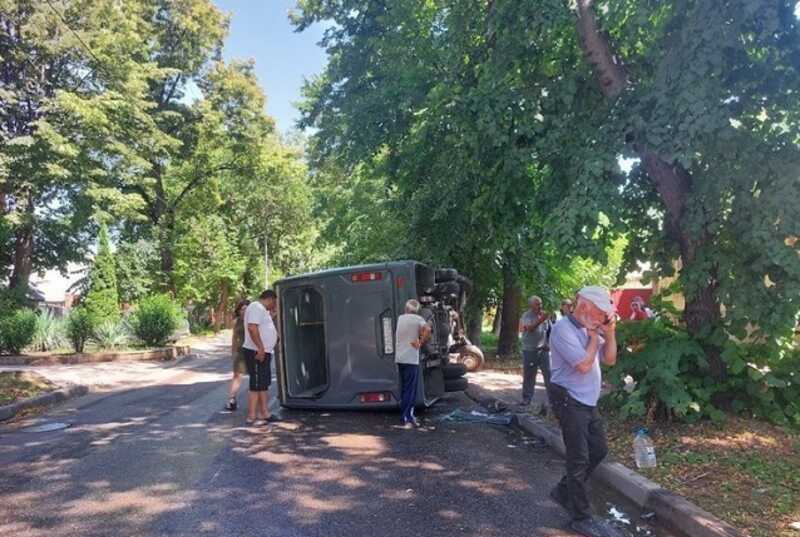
(643, 450)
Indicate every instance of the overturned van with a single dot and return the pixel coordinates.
(336, 347)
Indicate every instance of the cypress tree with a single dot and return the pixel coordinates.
(102, 300)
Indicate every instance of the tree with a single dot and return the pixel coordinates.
(102, 300)
(47, 62)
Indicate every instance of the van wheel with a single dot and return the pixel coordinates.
(456, 385)
(454, 371)
(472, 357)
(446, 275)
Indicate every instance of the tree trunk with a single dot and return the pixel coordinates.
(671, 180)
(220, 316)
(166, 233)
(498, 318)
(474, 326)
(509, 326)
(23, 251)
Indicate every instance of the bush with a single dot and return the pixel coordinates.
(17, 330)
(110, 334)
(50, 333)
(102, 300)
(155, 319)
(80, 328)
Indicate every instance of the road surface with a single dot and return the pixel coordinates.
(164, 460)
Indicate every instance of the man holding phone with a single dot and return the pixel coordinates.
(534, 327)
(579, 342)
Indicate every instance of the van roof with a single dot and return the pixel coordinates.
(347, 270)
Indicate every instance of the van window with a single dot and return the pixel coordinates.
(304, 333)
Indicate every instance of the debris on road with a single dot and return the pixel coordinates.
(474, 416)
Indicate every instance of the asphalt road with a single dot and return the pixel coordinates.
(164, 460)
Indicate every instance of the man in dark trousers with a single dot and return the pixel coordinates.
(412, 332)
(533, 327)
(579, 342)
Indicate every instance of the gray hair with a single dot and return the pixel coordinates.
(412, 306)
(536, 298)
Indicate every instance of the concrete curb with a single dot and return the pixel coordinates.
(46, 399)
(674, 510)
(164, 354)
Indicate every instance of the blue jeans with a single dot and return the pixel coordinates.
(409, 378)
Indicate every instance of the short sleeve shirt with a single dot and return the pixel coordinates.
(408, 326)
(568, 342)
(257, 314)
(537, 339)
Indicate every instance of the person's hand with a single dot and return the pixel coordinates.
(542, 317)
(261, 355)
(416, 344)
(609, 329)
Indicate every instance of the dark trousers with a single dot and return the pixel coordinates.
(260, 372)
(585, 439)
(532, 361)
(409, 378)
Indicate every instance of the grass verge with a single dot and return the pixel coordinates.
(745, 471)
(15, 385)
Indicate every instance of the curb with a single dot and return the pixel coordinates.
(161, 354)
(676, 511)
(46, 399)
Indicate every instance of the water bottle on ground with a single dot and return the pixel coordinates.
(643, 450)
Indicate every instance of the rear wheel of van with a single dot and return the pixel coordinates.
(454, 371)
(446, 275)
(456, 385)
(471, 357)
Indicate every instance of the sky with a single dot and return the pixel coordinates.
(260, 30)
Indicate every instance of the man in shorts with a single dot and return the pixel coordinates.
(260, 337)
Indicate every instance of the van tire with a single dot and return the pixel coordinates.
(471, 357)
(446, 275)
(456, 385)
(454, 371)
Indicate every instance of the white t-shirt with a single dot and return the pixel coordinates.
(256, 313)
(408, 326)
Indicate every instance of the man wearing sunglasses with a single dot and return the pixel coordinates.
(579, 342)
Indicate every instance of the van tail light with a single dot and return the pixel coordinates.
(360, 277)
(376, 397)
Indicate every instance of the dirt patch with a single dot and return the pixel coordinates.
(745, 471)
(16, 385)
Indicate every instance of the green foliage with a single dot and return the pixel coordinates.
(80, 328)
(660, 374)
(50, 333)
(111, 334)
(17, 330)
(155, 319)
(102, 300)
(137, 268)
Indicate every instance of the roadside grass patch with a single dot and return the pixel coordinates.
(15, 385)
(745, 471)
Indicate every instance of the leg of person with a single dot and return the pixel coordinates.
(575, 420)
(236, 381)
(596, 438)
(252, 395)
(414, 383)
(543, 361)
(406, 403)
(261, 387)
(528, 376)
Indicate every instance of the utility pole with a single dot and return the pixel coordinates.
(266, 263)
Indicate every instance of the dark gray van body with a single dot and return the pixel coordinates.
(336, 347)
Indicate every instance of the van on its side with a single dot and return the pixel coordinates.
(336, 327)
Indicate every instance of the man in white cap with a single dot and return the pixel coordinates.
(578, 343)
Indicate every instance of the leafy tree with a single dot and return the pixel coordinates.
(137, 265)
(102, 300)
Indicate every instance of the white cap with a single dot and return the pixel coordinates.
(599, 297)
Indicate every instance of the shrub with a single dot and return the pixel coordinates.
(50, 333)
(80, 328)
(110, 334)
(17, 330)
(155, 319)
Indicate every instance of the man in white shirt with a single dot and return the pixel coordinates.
(260, 337)
(412, 332)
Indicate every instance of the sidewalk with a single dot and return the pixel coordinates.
(110, 376)
(508, 386)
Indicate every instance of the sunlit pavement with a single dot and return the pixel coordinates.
(162, 459)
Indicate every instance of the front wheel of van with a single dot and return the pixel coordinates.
(472, 357)
(454, 371)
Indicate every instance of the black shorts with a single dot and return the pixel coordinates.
(260, 372)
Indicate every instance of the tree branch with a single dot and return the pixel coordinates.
(198, 180)
(608, 71)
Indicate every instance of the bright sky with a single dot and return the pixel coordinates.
(260, 29)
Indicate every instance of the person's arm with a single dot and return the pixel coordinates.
(571, 349)
(424, 334)
(610, 345)
(255, 335)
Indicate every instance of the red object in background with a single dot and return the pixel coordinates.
(622, 299)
